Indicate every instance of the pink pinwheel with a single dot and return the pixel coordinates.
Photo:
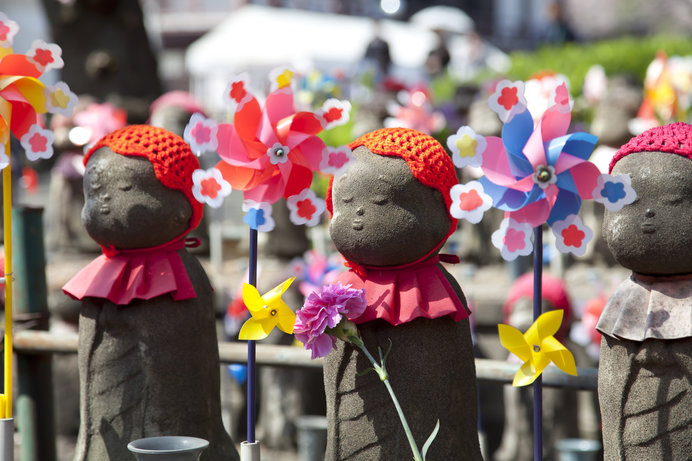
(272, 151)
(415, 112)
(537, 173)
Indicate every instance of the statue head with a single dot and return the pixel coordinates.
(653, 235)
(138, 188)
(391, 206)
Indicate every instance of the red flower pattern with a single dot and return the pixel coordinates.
(508, 98)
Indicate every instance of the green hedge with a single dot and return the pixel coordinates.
(623, 56)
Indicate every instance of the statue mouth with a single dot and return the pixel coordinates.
(648, 228)
(104, 209)
(357, 224)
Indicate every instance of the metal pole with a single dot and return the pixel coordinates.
(251, 349)
(537, 308)
(35, 412)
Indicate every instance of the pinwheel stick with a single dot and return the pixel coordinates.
(7, 214)
(251, 349)
(537, 307)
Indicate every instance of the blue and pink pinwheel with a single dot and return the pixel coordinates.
(536, 172)
(269, 152)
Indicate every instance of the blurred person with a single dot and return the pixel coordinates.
(558, 30)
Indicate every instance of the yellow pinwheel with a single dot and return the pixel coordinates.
(268, 311)
(537, 347)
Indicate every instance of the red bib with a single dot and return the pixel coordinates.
(399, 294)
(144, 273)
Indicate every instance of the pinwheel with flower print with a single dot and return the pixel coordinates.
(23, 96)
(268, 311)
(537, 347)
(537, 172)
(270, 151)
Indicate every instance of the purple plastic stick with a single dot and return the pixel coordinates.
(251, 369)
(537, 307)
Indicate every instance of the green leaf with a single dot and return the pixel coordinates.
(430, 439)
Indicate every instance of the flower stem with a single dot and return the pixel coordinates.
(384, 377)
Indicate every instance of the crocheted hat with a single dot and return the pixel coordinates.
(170, 155)
(425, 156)
(675, 138)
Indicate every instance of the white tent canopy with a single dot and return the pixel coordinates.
(256, 39)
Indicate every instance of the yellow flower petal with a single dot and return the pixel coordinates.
(284, 79)
(254, 330)
(467, 145)
(59, 99)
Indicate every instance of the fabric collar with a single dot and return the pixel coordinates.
(121, 275)
(649, 307)
(399, 294)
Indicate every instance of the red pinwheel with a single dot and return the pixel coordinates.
(271, 151)
(23, 96)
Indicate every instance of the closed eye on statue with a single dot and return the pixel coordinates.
(347, 199)
(125, 187)
(673, 199)
(378, 199)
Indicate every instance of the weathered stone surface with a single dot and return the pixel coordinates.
(432, 373)
(645, 398)
(151, 367)
(644, 385)
(383, 216)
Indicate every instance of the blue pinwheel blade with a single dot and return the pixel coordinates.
(504, 198)
(517, 131)
(567, 203)
(578, 144)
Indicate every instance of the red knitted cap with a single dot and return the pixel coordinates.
(170, 155)
(425, 156)
(675, 138)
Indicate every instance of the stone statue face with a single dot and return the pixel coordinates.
(383, 216)
(125, 204)
(653, 235)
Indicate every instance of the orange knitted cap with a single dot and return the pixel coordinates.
(170, 155)
(425, 156)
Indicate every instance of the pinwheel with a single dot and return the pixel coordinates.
(415, 111)
(537, 347)
(536, 173)
(22, 98)
(269, 152)
(667, 90)
(268, 311)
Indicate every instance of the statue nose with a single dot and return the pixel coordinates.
(360, 211)
(649, 213)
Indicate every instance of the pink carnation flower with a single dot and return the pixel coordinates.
(322, 312)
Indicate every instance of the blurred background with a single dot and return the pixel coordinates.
(421, 64)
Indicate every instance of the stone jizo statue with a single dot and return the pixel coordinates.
(148, 355)
(389, 220)
(645, 363)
